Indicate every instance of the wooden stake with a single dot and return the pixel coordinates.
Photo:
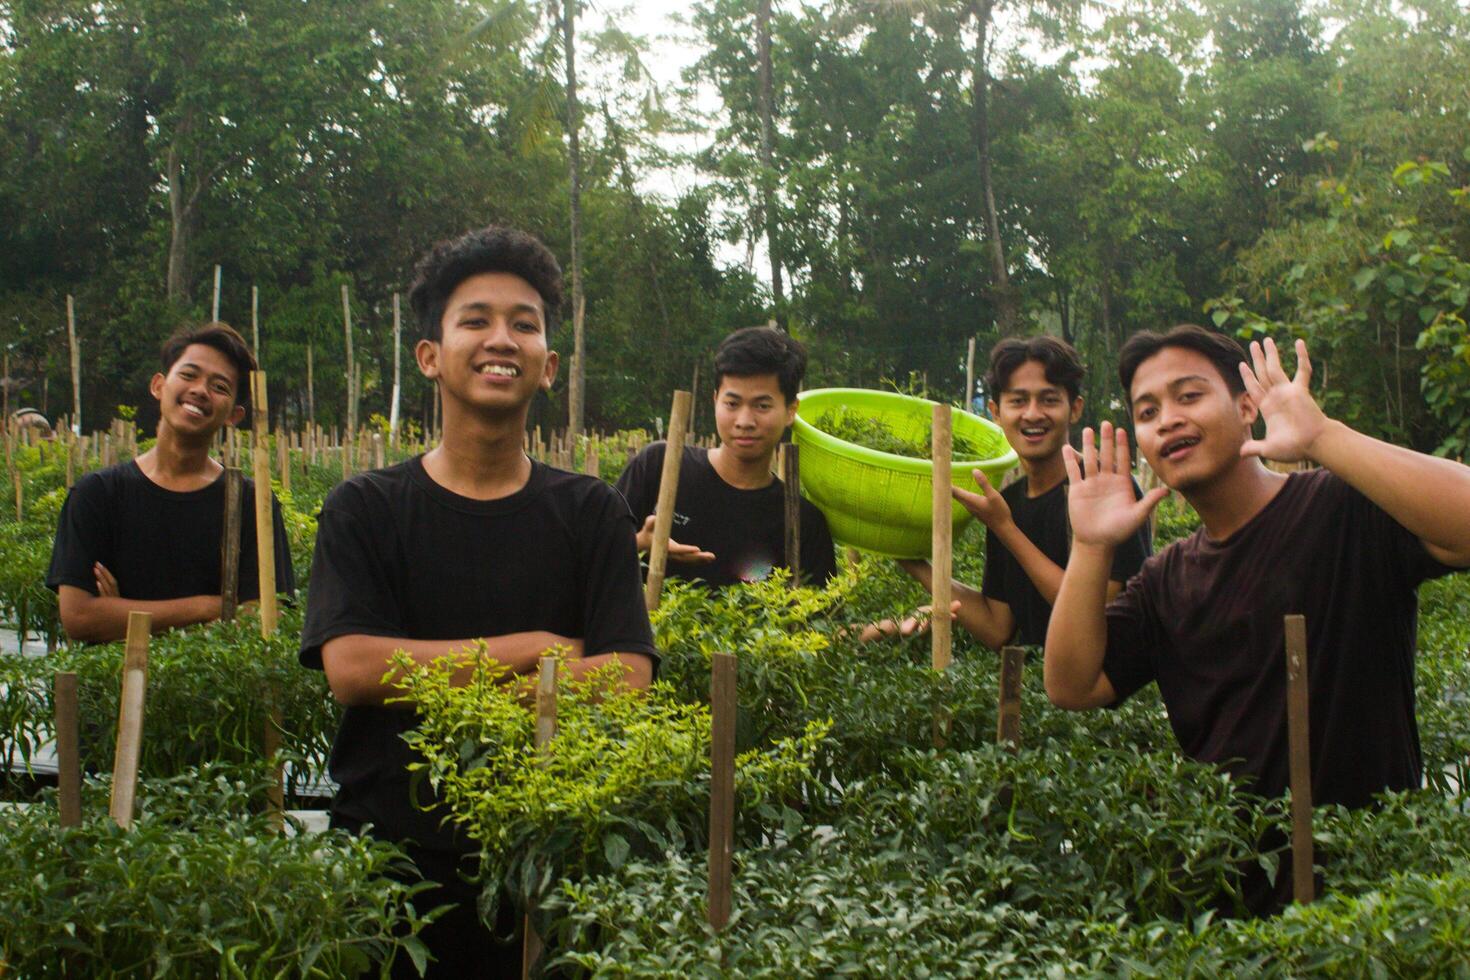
(722, 787)
(214, 311)
(283, 458)
(130, 719)
(229, 576)
(1008, 717)
(397, 352)
(255, 322)
(68, 762)
(943, 550)
(265, 536)
(545, 732)
(310, 394)
(668, 489)
(378, 460)
(76, 367)
(791, 488)
(1299, 741)
(351, 364)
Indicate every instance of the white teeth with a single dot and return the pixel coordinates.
(193, 409)
(501, 370)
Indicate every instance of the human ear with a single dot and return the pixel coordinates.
(553, 361)
(993, 408)
(237, 414)
(426, 353)
(791, 407)
(1247, 407)
(155, 387)
(1076, 415)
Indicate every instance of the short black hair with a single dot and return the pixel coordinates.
(223, 338)
(1058, 358)
(762, 350)
(490, 249)
(1219, 349)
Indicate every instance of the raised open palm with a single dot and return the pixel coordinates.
(1293, 418)
(1100, 499)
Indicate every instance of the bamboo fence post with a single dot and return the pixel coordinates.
(378, 460)
(76, 366)
(668, 489)
(722, 787)
(1008, 717)
(130, 719)
(229, 575)
(283, 458)
(265, 537)
(791, 489)
(941, 627)
(310, 392)
(68, 762)
(255, 322)
(969, 374)
(397, 357)
(545, 732)
(1300, 754)
(214, 310)
(351, 364)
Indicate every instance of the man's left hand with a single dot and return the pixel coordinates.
(1293, 418)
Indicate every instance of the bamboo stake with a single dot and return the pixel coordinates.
(229, 576)
(283, 458)
(214, 311)
(68, 762)
(545, 732)
(1008, 717)
(668, 488)
(310, 393)
(397, 357)
(265, 538)
(76, 367)
(130, 719)
(255, 322)
(1299, 740)
(791, 488)
(969, 375)
(943, 544)
(722, 787)
(347, 333)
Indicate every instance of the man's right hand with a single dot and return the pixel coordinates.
(988, 504)
(688, 553)
(1100, 501)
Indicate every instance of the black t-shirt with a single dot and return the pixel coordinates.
(744, 529)
(1205, 619)
(1044, 521)
(399, 555)
(158, 543)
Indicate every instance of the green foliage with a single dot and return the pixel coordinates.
(851, 426)
(627, 774)
(199, 885)
(211, 690)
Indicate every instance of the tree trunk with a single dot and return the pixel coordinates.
(577, 389)
(1007, 315)
(768, 139)
(177, 284)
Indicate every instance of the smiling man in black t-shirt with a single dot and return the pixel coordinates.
(470, 542)
(1346, 546)
(145, 535)
(729, 514)
(1035, 386)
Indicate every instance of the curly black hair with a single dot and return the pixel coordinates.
(490, 249)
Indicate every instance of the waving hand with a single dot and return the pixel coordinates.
(1100, 499)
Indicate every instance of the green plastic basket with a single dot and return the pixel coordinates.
(880, 502)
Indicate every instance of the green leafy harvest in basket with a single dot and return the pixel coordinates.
(874, 433)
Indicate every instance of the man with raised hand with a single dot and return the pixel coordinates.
(1035, 386)
(1345, 545)
(471, 543)
(145, 535)
(729, 515)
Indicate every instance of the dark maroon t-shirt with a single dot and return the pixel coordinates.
(1204, 619)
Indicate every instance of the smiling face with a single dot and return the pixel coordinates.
(492, 354)
(1035, 413)
(197, 397)
(1188, 424)
(751, 415)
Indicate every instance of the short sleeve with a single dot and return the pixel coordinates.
(993, 584)
(81, 537)
(1133, 640)
(350, 591)
(638, 483)
(818, 557)
(285, 571)
(614, 616)
(1384, 541)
